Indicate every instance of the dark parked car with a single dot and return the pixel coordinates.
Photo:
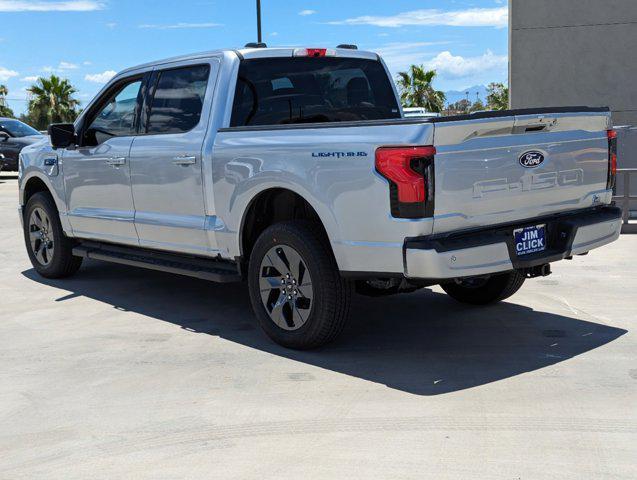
(14, 136)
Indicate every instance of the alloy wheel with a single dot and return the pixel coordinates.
(41, 236)
(286, 287)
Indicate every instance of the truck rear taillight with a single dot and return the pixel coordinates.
(410, 171)
(612, 159)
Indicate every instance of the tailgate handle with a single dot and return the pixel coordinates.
(538, 127)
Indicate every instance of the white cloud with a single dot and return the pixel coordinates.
(274, 34)
(33, 78)
(6, 74)
(305, 13)
(473, 17)
(47, 6)
(180, 25)
(100, 77)
(456, 66)
(399, 56)
(86, 62)
(67, 66)
(111, 25)
(62, 67)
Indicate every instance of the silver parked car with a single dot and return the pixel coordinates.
(294, 170)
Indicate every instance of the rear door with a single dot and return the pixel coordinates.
(490, 171)
(166, 159)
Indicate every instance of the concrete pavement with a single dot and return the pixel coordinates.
(128, 373)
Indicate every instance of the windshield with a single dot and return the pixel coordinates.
(16, 128)
(277, 91)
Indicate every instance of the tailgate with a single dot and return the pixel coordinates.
(508, 168)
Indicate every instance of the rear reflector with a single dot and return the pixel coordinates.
(410, 174)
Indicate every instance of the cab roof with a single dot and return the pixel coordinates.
(250, 53)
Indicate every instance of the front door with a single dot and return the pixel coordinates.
(166, 162)
(97, 172)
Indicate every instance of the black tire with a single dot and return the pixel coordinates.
(494, 289)
(61, 262)
(330, 293)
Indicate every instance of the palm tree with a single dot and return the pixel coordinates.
(416, 89)
(498, 97)
(5, 111)
(52, 102)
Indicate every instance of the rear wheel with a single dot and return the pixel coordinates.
(296, 290)
(485, 290)
(50, 251)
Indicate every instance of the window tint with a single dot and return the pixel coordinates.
(276, 91)
(178, 100)
(117, 116)
(16, 128)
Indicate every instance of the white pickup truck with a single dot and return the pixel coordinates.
(294, 169)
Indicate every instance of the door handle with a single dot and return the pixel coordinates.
(185, 160)
(116, 161)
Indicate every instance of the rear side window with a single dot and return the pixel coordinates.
(279, 91)
(178, 99)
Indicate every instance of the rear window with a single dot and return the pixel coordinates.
(280, 91)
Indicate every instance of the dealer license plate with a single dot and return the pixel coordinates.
(530, 240)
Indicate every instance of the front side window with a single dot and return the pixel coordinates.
(279, 91)
(117, 116)
(178, 100)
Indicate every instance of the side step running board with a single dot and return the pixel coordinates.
(198, 267)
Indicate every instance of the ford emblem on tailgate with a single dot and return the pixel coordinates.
(531, 159)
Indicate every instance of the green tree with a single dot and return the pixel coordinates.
(416, 89)
(477, 106)
(461, 106)
(5, 111)
(52, 102)
(498, 97)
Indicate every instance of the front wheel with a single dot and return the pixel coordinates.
(296, 290)
(485, 290)
(50, 251)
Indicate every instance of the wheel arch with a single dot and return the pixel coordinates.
(32, 186)
(273, 205)
(35, 182)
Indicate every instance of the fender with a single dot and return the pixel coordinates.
(254, 187)
(52, 177)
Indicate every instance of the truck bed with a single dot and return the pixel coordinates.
(478, 180)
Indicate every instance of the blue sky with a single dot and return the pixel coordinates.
(88, 40)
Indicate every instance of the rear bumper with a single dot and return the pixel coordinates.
(492, 250)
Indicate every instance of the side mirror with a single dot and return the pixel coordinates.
(4, 136)
(62, 135)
